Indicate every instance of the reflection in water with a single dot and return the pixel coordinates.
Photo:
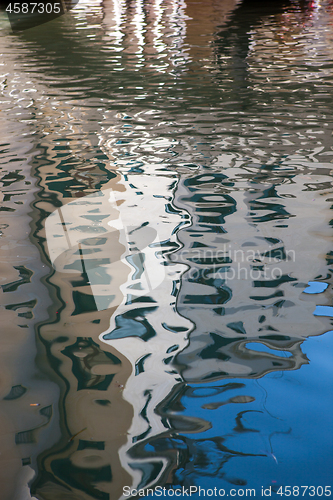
(247, 283)
(166, 231)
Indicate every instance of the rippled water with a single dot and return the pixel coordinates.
(166, 255)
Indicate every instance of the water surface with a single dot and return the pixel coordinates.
(166, 256)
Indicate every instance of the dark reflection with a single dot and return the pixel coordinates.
(24, 274)
(85, 354)
(28, 437)
(16, 392)
(30, 16)
(233, 43)
(82, 479)
(132, 323)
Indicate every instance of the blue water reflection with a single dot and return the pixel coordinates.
(255, 440)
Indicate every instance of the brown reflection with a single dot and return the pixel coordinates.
(94, 416)
(27, 409)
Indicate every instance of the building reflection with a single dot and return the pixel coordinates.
(246, 285)
(98, 276)
(144, 368)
